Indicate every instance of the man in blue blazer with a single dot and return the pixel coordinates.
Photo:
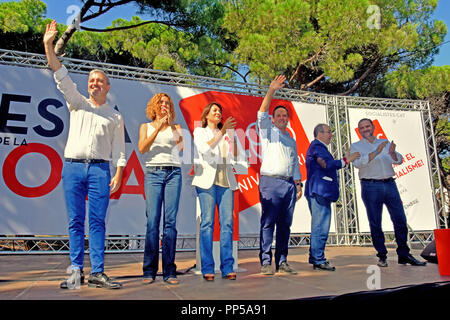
(322, 188)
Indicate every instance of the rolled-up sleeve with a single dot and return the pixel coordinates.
(264, 124)
(296, 174)
(387, 157)
(118, 144)
(362, 161)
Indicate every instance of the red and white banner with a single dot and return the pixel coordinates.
(33, 131)
(412, 176)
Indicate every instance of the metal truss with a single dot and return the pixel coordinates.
(35, 60)
(442, 215)
(346, 218)
(135, 244)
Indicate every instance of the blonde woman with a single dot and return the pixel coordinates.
(161, 140)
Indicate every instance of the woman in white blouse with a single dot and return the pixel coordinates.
(161, 140)
(215, 182)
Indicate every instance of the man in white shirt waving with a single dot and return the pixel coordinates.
(378, 188)
(280, 183)
(96, 138)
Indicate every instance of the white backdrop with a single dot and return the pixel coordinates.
(412, 176)
(33, 113)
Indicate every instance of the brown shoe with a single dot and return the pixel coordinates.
(148, 280)
(208, 277)
(172, 281)
(231, 276)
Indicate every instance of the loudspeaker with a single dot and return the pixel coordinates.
(429, 253)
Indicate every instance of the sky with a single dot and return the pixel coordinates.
(62, 10)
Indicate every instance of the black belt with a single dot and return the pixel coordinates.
(279, 177)
(163, 167)
(378, 180)
(88, 161)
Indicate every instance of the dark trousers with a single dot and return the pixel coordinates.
(277, 197)
(374, 195)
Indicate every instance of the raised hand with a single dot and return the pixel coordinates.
(278, 82)
(392, 151)
(392, 147)
(50, 33)
(229, 124)
(160, 122)
(381, 146)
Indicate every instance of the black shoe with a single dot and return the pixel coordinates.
(411, 260)
(382, 263)
(324, 266)
(101, 280)
(63, 285)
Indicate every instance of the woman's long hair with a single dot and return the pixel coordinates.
(205, 112)
(153, 106)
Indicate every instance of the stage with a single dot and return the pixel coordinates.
(37, 277)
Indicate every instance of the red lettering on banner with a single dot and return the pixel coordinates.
(9, 170)
(409, 156)
(409, 168)
(133, 164)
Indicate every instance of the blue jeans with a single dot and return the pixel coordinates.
(161, 186)
(320, 208)
(374, 194)
(91, 180)
(224, 198)
(277, 197)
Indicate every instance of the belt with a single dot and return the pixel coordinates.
(279, 177)
(378, 180)
(88, 161)
(163, 167)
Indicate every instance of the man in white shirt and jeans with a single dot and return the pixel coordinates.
(378, 188)
(96, 138)
(280, 183)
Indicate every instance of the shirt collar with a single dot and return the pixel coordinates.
(371, 143)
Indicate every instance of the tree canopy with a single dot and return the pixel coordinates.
(338, 47)
(173, 44)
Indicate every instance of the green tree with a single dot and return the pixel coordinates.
(23, 16)
(337, 47)
(22, 24)
(432, 84)
(156, 44)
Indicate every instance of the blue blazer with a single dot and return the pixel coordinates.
(321, 181)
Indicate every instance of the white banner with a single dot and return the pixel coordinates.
(33, 130)
(412, 176)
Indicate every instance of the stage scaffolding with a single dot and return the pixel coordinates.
(346, 218)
